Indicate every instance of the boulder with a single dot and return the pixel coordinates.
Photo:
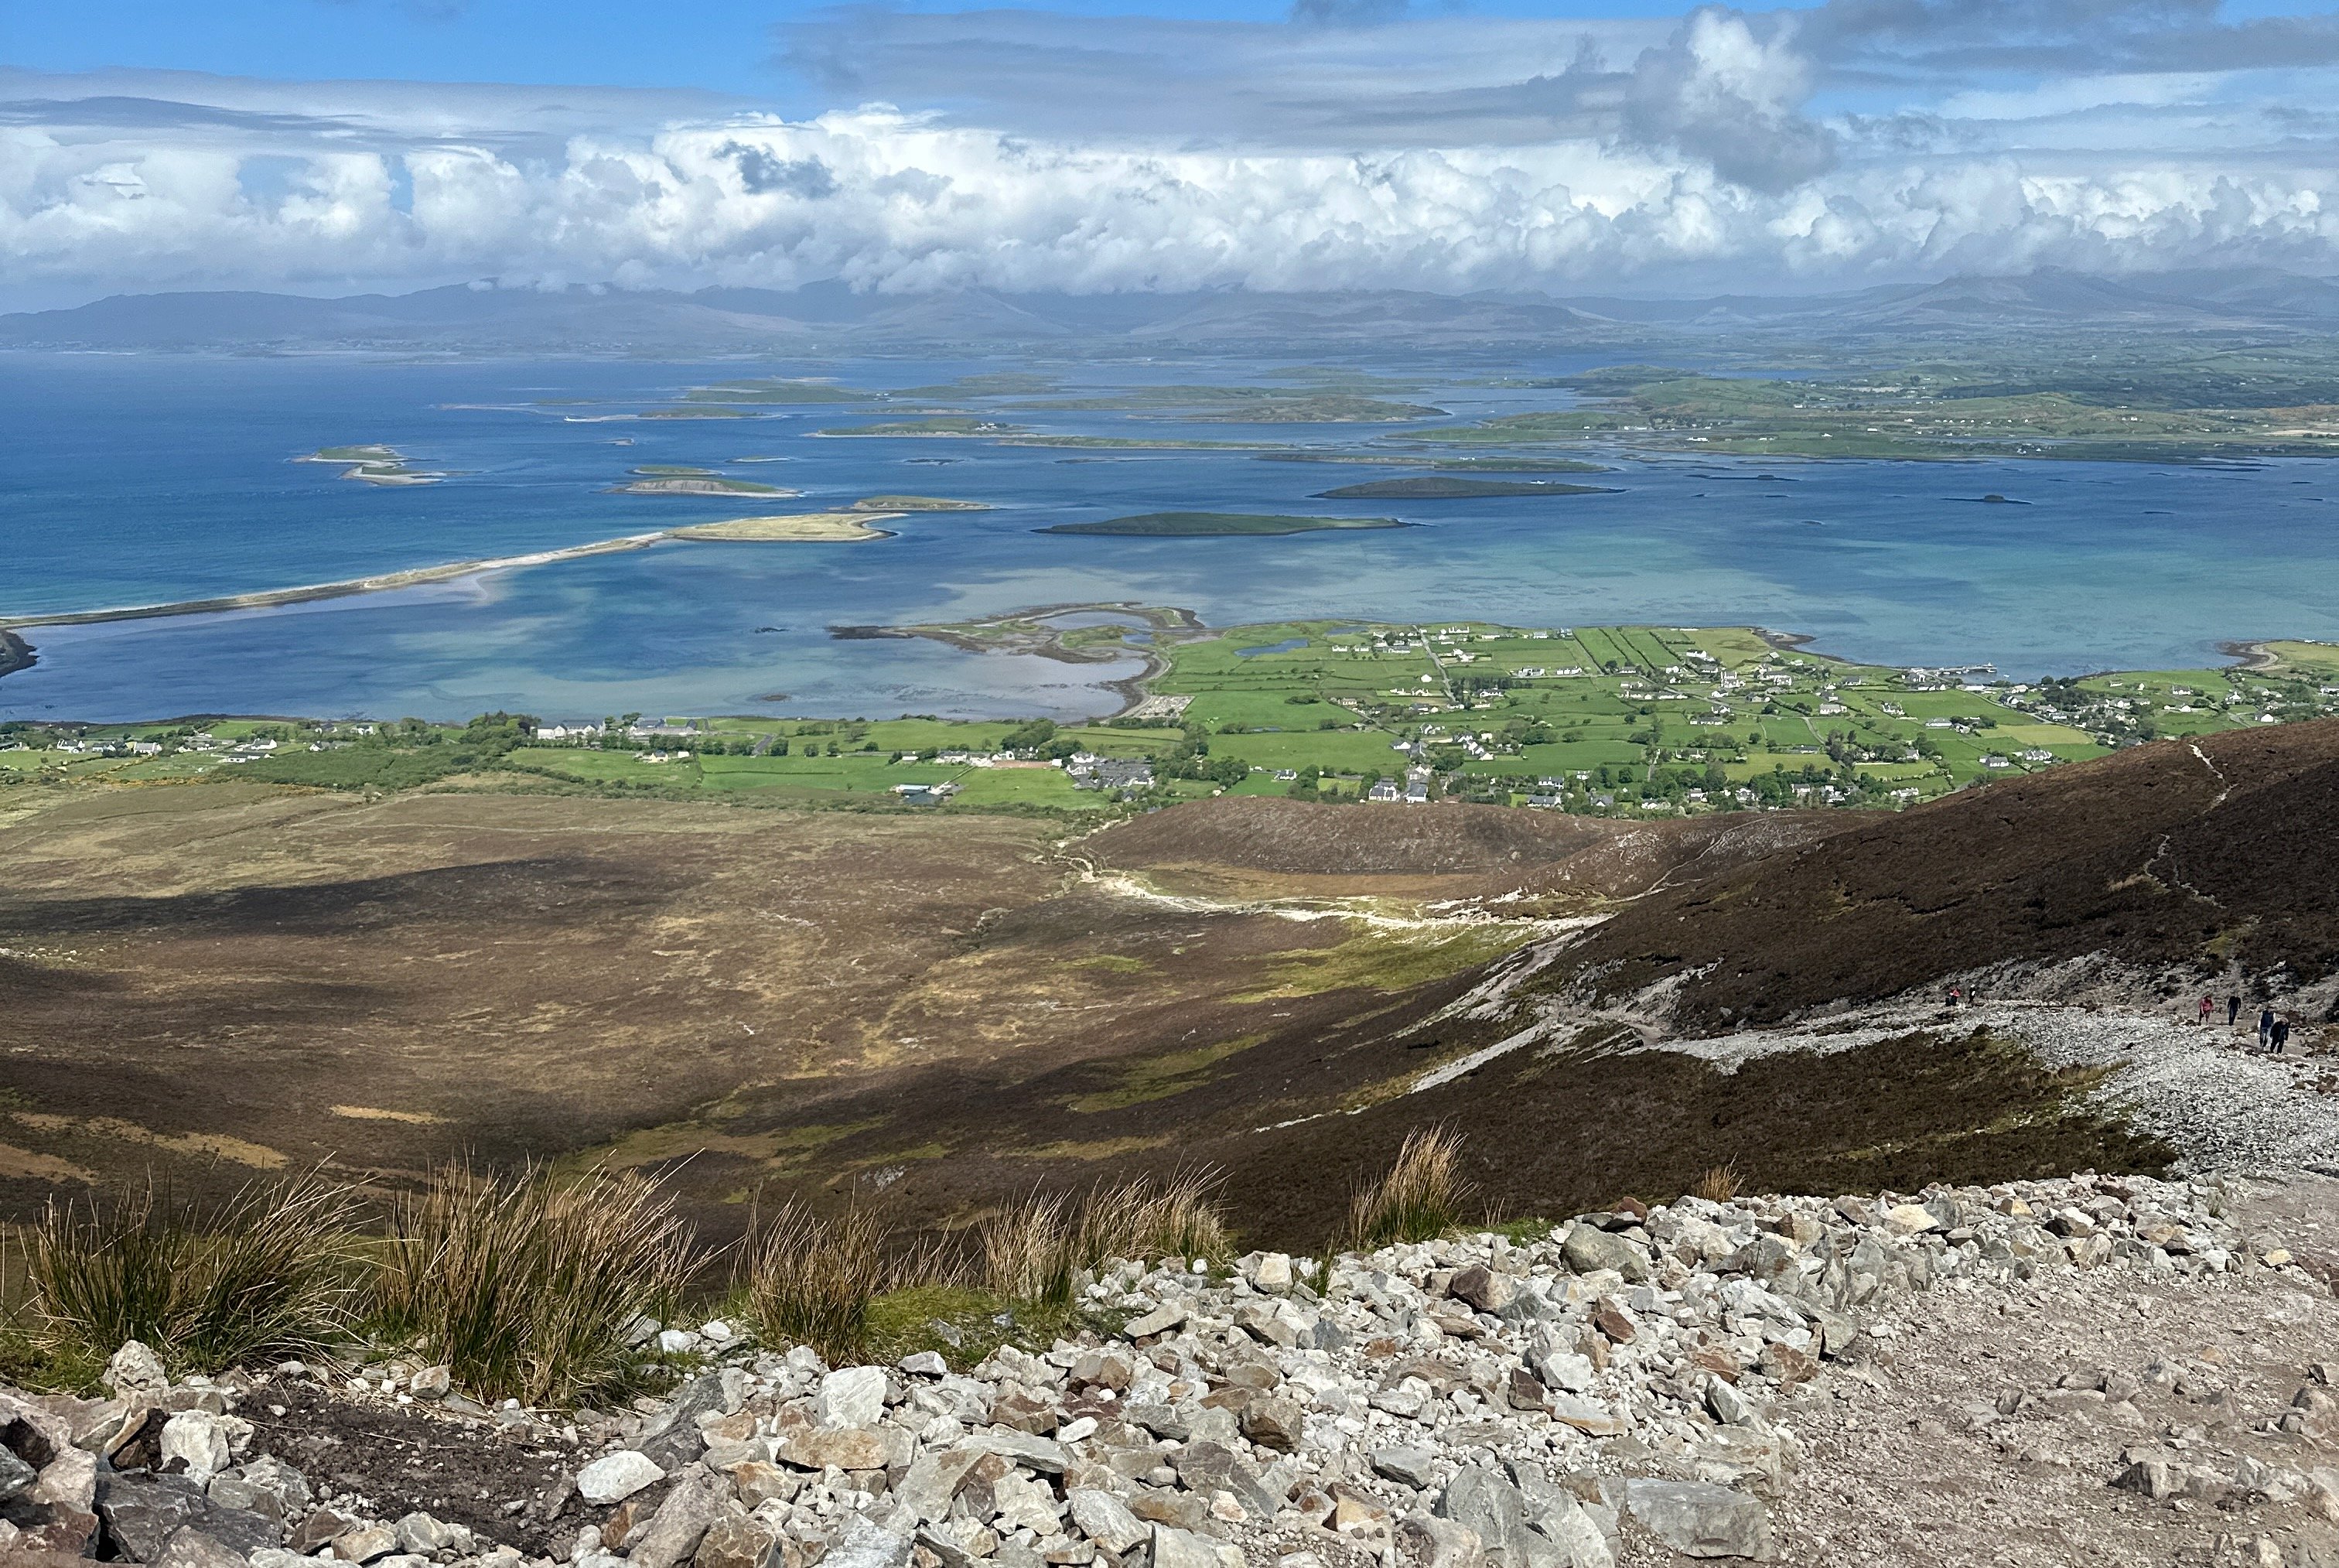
(679, 1525)
(853, 1397)
(1104, 1519)
(134, 1370)
(143, 1512)
(732, 1542)
(1482, 1288)
(1588, 1249)
(199, 1438)
(1700, 1520)
(615, 1476)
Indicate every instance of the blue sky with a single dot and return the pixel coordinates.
(723, 45)
(332, 145)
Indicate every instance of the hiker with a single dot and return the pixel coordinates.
(2208, 1007)
(2281, 1034)
(2265, 1028)
(2233, 1010)
(1956, 996)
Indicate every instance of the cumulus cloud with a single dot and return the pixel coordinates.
(1441, 153)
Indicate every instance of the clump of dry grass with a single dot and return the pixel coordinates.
(1034, 1250)
(1419, 1197)
(1720, 1184)
(266, 1272)
(526, 1286)
(811, 1279)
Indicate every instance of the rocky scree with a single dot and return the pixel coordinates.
(1620, 1389)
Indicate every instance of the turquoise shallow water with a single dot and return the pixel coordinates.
(134, 481)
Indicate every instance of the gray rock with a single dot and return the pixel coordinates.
(1161, 1320)
(1405, 1466)
(1700, 1520)
(680, 1522)
(674, 1439)
(366, 1544)
(195, 1547)
(140, 1513)
(859, 1543)
(732, 1542)
(925, 1363)
(1274, 1422)
(1729, 1406)
(16, 1476)
(1481, 1499)
(1424, 1541)
(615, 1476)
(1588, 1249)
(1032, 1453)
(431, 1382)
(1176, 1548)
(200, 1439)
(135, 1370)
(420, 1532)
(1104, 1519)
(854, 1396)
(1207, 1467)
(1482, 1289)
(934, 1478)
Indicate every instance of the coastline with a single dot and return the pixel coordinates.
(1049, 643)
(381, 582)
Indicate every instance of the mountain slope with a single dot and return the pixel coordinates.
(2180, 857)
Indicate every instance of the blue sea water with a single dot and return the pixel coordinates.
(140, 480)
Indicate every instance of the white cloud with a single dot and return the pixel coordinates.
(1443, 154)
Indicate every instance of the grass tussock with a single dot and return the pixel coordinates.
(811, 1279)
(1721, 1184)
(269, 1272)
(1418, 1198)
(527, 1287)
(1035, 1250)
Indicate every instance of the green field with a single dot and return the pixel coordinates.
(1608, 720)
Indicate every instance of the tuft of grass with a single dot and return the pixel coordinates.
(811, 1280)
(1720, 1184)
(527, 1287)
(266, 1272)
(1419, 1197)
(1035, 1250)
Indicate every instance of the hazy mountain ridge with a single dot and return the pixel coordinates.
(464, 317)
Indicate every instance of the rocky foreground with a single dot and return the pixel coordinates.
(2094, 1369)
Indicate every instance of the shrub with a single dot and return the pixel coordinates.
(1718, 1185)
(527, 1287)
(811, 1280)
(1421, 1196)
(266, 1272)
(1034, 1250)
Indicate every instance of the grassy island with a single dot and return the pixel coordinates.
(804, 527)
(775, 389)
(1211, 525)
(916, 504)
(1447, 488)
(936, 425)
(699, 484)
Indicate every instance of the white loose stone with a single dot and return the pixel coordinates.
(614, 1477)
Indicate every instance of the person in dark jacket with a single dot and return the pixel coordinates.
(2265, 1029)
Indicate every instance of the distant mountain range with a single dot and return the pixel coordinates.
(467, 319)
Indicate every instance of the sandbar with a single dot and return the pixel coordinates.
(804, 527)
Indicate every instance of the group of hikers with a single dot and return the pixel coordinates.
(2273, 1030)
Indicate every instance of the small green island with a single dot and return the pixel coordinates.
(916, 504)
(1213, 525)
(1448, 488)
(372, 464)
(937, 425)
(777, 390)
(672, 480)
